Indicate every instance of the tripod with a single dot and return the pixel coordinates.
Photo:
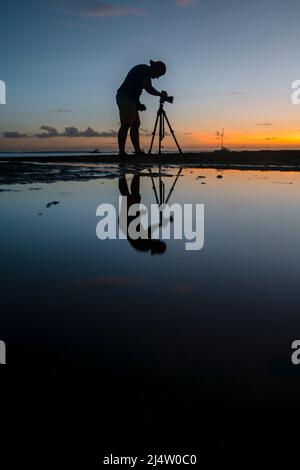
(160, 120)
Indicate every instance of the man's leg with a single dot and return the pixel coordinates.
(135, 137)
(122, 136)
(135, 133)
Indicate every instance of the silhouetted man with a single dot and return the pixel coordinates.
(128, 100)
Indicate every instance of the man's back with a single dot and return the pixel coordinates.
(133, 83)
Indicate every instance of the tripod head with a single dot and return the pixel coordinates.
(166, 98)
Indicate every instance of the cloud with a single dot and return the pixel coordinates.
(74, 132)
(270, 138)
(71, 132)
(186, 3)
(97, 9)
(264, 124)
(50, 132)
(89, 132)
(68, 132)
(13, 135)
(61, 110)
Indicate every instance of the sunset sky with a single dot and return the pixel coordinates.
(229, 64)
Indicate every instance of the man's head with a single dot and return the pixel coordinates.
(158, 68)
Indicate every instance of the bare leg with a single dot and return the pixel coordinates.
(122, 136)
(135, 138)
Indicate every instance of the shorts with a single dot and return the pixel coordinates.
(128, 110)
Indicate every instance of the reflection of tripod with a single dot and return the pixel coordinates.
(160, 119)
(160, 195)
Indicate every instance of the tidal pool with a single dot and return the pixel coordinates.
(186, 334)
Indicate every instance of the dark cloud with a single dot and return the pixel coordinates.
(13, 135)
(50, 132)
(264, 124)
(97, 9)
(68, 132)
(270, 138)
(71, 132)
(89, 132)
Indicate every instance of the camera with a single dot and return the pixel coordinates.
(167, 98)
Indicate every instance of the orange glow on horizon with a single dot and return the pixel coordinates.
(262, 139)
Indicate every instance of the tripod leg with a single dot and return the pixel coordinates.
(161, 132)
(154, 132)
(160, 187)
(172, 132)
(154, 188)
(172, 189)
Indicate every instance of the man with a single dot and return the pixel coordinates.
(128, 100)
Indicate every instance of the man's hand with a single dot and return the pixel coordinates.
(164, 94)
(141, 107)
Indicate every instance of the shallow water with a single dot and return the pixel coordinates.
(88, 315)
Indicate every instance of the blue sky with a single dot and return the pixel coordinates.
(230, 64)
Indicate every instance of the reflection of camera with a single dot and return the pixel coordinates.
(165, 97)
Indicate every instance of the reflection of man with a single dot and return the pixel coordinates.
(128, 100)
(134, 197)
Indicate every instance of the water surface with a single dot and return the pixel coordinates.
(185, 330)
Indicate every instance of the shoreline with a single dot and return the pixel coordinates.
(255, 160)
(51, 169)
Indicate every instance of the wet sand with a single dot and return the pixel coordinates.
(48, 169)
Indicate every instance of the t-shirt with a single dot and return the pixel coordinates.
(133, 83)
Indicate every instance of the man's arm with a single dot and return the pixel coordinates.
(149, 88)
